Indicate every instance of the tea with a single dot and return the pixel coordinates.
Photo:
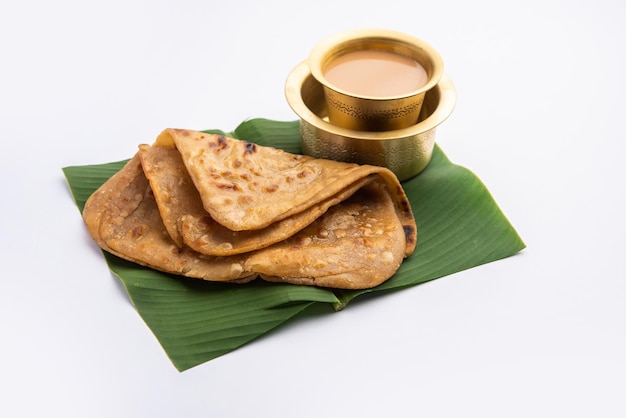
(376, 73)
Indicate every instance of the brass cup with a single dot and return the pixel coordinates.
(406, 151)
(367, 113)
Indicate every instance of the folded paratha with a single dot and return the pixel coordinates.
(358, 243)
(296, 219)
(187, 222)
(122, 217)
(244, 186)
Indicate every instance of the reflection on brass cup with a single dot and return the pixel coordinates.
(371, 113)
(406, 151)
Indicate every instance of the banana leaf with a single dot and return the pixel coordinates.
(459, 227)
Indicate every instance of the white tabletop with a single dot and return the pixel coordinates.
(539, 119)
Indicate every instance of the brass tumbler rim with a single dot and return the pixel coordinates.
(366, 112)
(377, 39)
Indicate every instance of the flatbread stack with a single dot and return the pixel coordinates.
(216, 208)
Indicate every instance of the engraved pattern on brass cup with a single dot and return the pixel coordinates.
(405, 151)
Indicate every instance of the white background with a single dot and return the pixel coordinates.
(539, 119)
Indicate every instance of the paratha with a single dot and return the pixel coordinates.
(341, 225)
(358, 244)
(174, 192)
(123, 219)
(187, 222)
(245, 186)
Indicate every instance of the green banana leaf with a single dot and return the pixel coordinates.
(459, 227)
